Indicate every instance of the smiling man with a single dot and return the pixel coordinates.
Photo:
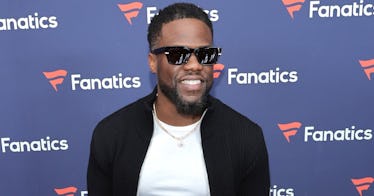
(179, 140)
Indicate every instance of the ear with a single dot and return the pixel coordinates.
(152, 62)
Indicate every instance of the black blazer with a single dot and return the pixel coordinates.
(234, 151)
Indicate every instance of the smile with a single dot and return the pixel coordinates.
(191, 82)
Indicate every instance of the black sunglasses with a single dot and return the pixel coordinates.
(178, 55)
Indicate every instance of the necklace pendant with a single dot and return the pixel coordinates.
(180, 144)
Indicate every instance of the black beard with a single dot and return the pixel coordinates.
(183, 107)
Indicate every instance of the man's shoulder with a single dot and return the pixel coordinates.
(227, 113)
(131, 113)
(236, 127)
(231, 122)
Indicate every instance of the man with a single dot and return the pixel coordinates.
(179, 140)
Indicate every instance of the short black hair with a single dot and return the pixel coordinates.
(174, 12)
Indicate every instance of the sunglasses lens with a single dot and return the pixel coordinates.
(178, 56)
(207, 55)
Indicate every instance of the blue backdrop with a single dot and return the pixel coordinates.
(300, 69)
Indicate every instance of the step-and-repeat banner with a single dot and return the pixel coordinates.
(302, 69)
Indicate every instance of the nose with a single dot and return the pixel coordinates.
(193, 64)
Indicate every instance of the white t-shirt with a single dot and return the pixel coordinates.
(171, 170)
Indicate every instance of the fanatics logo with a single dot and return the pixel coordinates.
(325, 9)
(217, 69)
(362, 184)
(46, 144)
(293, 6)
(30, 22)
(130, 10)
(289, 129)
(79, 82)
(313, 134)
(68, 191)
(368, 66)
(56, 77)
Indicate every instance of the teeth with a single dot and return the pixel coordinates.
(191, 82)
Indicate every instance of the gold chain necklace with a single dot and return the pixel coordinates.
(181, 138)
